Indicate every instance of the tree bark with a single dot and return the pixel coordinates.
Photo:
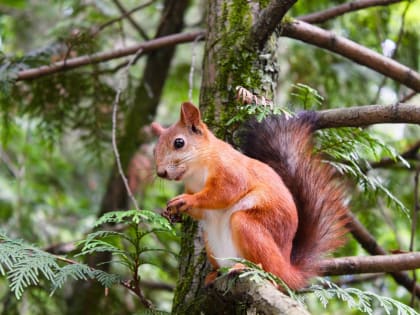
(370, 264)
(256, 298)
(368, 115)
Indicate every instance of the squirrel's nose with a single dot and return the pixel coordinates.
(162, 173)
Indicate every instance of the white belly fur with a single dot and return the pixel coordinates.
(216, 225)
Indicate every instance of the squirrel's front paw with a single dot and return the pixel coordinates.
(181, 203)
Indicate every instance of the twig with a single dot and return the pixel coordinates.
(153, 285)
(67, 260)
(124, 283)
(114, 128)
(397, 45)
(407, 97)
(325, 15)
(342, 46)
(131, 20)
(358, 279)
(416, 210)
(191, 75)
(13, 169)
(127, 13)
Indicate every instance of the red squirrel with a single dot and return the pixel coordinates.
(277, 206)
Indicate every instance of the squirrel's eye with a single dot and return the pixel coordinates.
(179, 143)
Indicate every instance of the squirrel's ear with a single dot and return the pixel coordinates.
(157, 129)
(190, 116)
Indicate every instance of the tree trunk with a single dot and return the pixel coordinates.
(231, 59)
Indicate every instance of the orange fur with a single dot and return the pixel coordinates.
(249, 209)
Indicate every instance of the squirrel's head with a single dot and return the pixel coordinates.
(181, 147)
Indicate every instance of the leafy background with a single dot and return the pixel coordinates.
(56, 151)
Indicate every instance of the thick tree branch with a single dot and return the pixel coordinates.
(370, 264)
(319, 37)
(353, 116)
(268, 20)
(322, 16)
(368, 115)
(368, 242)
(257, 298)
(154, 44)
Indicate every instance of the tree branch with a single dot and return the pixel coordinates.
(370, 264)
(325, 39)
(154, 44)
(325, 15)
(368, 115)
(268, 20)
(368, 242)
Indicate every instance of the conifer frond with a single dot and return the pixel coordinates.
(93, 246)
(25, 265)
(83, 272)
(363, 301)
(350, 149)
(136, 217)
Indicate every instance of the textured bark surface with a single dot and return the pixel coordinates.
(369, 115)
(254, 298)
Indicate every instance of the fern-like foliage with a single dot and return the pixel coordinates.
(363, 301)
(350, 149)
(306, 96)
(25, 265)
(135, 217)
(127, 248)
(83, 272)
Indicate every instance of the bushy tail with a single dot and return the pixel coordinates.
(286, 145)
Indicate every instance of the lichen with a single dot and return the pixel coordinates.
(236, 64)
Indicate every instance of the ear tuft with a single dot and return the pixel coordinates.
(190, 115)
(157, 129)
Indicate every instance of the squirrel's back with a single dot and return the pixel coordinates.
(286, 145)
